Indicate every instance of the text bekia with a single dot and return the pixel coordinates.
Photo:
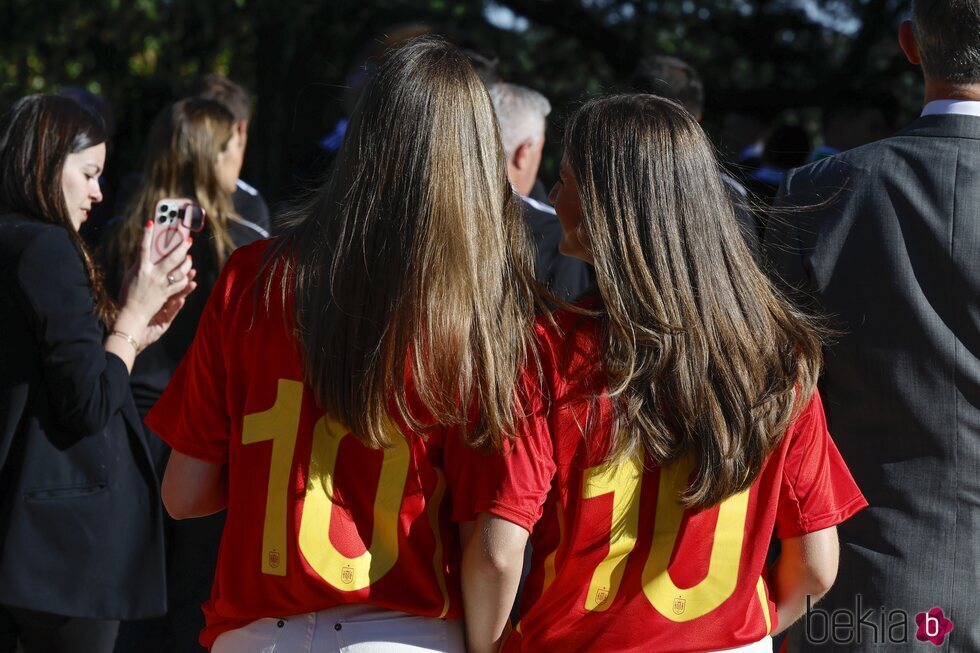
(860, 625)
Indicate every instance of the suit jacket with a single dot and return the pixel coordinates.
(80, 512)
(748, 222)
(889, 249)
(565, 276)
(251, 209)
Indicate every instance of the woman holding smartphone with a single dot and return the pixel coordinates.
(81, 543)
(340, 371)
(680, 426)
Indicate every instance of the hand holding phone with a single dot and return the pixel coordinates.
(173, 221)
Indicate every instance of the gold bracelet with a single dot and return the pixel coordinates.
(128, 338)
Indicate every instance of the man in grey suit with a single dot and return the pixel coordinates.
(521, 114)
(886, 243)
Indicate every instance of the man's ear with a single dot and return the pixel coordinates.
(906, 39)
(241, 127)
(522, 154)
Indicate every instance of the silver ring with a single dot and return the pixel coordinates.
(171, 280)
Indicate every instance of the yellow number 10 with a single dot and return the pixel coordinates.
(280, 424)
(679, 605)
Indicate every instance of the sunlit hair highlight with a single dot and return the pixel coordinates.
(414, 258)
(703, 355)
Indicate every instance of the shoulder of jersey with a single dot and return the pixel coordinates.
(249, 255)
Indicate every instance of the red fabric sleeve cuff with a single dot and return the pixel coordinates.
(816, 523)
(165, 433)
(514, 515)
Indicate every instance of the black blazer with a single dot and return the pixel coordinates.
(81, 530)
(891, 252)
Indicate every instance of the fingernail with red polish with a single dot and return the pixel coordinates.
(149, 223)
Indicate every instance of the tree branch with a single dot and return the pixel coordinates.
(572, 19)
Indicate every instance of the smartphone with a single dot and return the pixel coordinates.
(174, 219)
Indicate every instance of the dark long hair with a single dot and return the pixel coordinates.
(703, 355)
(36, 135)
(414, 258)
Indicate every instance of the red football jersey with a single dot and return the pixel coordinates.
(618, 564)
(315, 518)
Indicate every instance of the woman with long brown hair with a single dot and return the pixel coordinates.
(682, 423)
(340, 371)
(192, 152)
(81, 542)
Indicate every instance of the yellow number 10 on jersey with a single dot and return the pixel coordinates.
(624, 482)
(280, 424)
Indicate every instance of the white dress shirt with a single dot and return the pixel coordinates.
(961, 107)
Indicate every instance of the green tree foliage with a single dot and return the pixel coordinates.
(777, 57)
(294, 55)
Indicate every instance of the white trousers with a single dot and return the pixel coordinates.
(345, 629)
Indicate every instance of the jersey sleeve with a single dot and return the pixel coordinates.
(191, 415)
(459, 462)
(512, 485)
(817, 490)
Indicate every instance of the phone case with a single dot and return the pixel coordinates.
(169, 228)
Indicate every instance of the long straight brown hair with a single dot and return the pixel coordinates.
(703, 355)
(414, 258)
(36, 135)
(180, 161)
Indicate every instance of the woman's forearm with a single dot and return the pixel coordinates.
(193, 487)
(492, 563)
(806, 567)
(789, 592)
(126, 337)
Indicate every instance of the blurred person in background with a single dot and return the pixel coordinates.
(314, 165)
(251, 210)
(743, 138)
(81, 531)
(674, 79)
(855, 119)
(521, 114)
(787, 147)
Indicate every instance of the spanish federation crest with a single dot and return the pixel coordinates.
(274, 559)
(601, 595)
(680, 605)
(347, 575)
